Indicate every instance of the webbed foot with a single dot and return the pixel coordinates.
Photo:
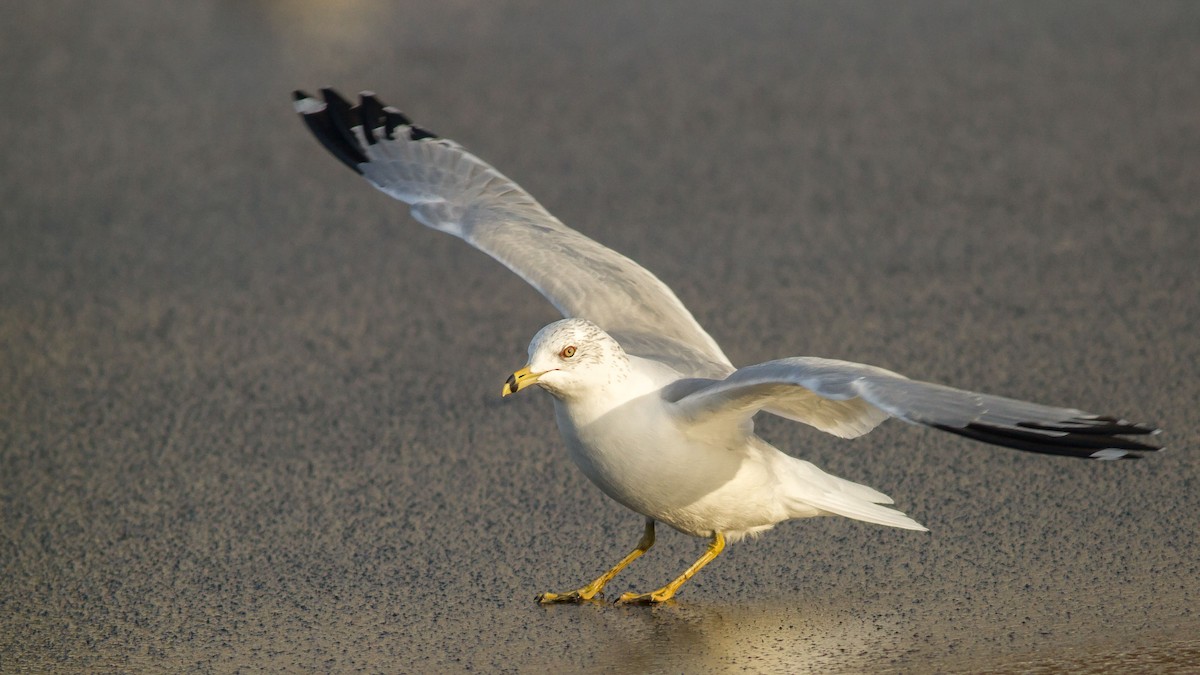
(652, 598)
(585, 594)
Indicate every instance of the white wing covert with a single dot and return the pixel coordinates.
(455, 192)
(856, 396)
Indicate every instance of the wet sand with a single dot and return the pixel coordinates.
(249, 411)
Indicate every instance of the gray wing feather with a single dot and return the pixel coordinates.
(859, 396)
(455, 192)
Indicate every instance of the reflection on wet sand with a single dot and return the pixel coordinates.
(696, 637)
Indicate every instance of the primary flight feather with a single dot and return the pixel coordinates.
(650, 408)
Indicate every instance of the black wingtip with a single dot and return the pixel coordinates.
(370, 112)
(332, 97)
(333, 120)
(417, 133)
(1099, 438)
(1095, 425)
(392, 119)
(330, 122)
(344, 120)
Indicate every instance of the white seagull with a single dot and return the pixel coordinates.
(651, 409)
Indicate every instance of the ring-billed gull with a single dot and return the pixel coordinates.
(650, 408)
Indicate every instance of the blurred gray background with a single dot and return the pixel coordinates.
(249, 411)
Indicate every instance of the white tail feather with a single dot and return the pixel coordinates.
(815, 489)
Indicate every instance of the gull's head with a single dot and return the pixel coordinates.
(570, 358)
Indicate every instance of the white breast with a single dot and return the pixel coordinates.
(643, 462)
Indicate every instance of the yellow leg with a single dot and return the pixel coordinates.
(590, 591)
(667, 592)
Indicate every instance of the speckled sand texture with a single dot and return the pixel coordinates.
(249, 410)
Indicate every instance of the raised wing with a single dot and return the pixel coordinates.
(455, 192)
(857, 396)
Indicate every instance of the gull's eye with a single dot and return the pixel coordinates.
(567, 352)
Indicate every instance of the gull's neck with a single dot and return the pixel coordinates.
(631, 377)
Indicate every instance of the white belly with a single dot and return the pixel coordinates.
(653, 469)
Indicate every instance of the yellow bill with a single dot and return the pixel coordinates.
(519, 380)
